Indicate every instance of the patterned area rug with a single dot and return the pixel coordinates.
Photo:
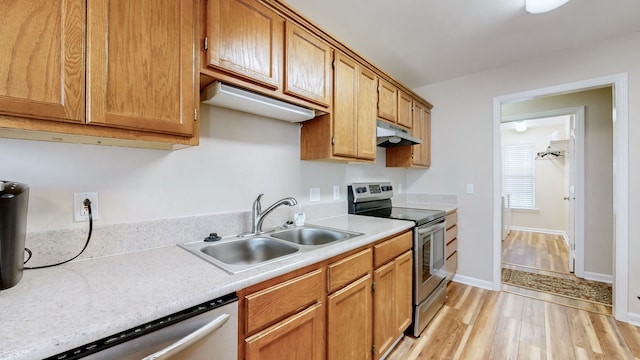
(572, 288)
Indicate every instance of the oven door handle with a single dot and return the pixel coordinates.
(431, 228)
(188, 340)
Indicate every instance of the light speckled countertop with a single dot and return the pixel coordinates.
(56, 309)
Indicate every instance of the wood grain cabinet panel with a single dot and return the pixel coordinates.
(42, 72)
(349, 269)
(245, 37)
(451, 240)
(349, 321)
(140, 65)
(384, 309)
(281, 300)
(404, 303)
(387, 101)
(418, 156)
(354, 109)
(388, 250)
(308, 70)
(405, 109)
(300, 336)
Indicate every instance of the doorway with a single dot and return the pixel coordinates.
(620, 177)
(555, 204)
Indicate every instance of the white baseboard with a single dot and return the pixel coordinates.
(634, 319)
(598, 277)
(483, 284)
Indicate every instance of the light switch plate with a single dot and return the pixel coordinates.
(469, 188)
(336, 193)
(314, 194)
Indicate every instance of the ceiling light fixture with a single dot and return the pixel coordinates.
(521, 126)
(543, 6)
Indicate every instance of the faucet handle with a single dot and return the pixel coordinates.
(256, 204)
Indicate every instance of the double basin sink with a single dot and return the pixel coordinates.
(242, 253)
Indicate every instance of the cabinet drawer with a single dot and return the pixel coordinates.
(391, 248)
(451, 264)
(451, 234)
(281, 300)
(349, 269)
(451, 247)
(452, 219)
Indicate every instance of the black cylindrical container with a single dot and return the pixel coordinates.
(14, 201)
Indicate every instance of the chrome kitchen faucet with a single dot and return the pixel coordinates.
(258, 215)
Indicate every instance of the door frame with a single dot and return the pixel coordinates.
(578, 113)
(619, 82)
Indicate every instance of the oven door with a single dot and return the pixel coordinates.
(429, 257)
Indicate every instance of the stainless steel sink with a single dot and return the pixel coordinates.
(309, 235)
(240, 254)
(248, 251)
(236, 254)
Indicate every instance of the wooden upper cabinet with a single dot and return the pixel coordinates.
(140, 65)
(245, 37)
(415, 155)
(307, 66)
(405, 109)
(387, 101)
(367, 100)
(345, 106)
(42, 59)
(422, 130)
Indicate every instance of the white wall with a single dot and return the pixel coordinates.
(550, 188)
(462, 138)
(240, 155)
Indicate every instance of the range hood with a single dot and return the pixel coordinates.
(391, 135)
(235, 98)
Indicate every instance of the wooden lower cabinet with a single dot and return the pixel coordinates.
(392, 305)
(451, 244)
(404, 283)
(349, 321)
(300, 336)
(340, 308)
(384, 309)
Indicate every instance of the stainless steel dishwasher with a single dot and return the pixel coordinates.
(205, 331)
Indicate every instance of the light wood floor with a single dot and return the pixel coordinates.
(522, 324)
(483, 324)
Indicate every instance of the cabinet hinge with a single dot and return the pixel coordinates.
(195, 114)
(206, 43)
(373, 348)
(333, 65)
(333, 140)
(373, 286)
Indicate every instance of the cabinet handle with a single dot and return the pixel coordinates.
(188, 340)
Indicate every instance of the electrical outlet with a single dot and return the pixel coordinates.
(81, 212)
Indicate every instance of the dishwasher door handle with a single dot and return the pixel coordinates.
(190, 339)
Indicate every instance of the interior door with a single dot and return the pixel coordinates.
(572, 193)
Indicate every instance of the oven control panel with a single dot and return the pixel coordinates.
(370, 191)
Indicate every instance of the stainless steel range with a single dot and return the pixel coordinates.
(429, 274)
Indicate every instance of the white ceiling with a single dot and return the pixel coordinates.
(420, 42)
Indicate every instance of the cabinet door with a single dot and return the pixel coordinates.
(345, 106)
(307, 66)
(404, 303)
(349, 321)
(405, 109)
(245, 37)
(422, 129)
(140, 63)
(42, 59)
(367, 99)
(384, 308)
(300, 336)
(387, 101)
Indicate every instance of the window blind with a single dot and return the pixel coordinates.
(518, 178)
